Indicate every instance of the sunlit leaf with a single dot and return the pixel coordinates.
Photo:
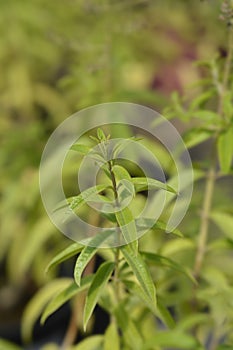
(65, 254)
(76, 202)
(101, 277)
(87, 254)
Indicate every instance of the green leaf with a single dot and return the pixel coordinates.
(148, 223)
(208, 116)
(36, 305)
(83, 149)
(101, 135)
(65, 295)
(200, 100)
(120, 173)
(77, 201)
(127, 225)
(94, 342)
(164, 314)
(129, 330)
(87, 253)
(141, 272)
(6, 345)
(143, 184)
(224, 222)
(196, 136)
(81, 199)
(65, 254)
(125, 191)
(101, 278)
(189, 322)
(171, 339)
(111, 338)
(225, 150)
(166, 262)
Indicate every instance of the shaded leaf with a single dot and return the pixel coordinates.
(101, 277)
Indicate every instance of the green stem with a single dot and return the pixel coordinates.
(117, 251)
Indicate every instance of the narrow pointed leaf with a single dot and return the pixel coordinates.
(120, 173)
(67, 253)
(148, 223)
(171, 339)
(143, 184)
(166, 262)
(164, 314)
(141, 272)
(87, 254)
(65, 295)
(225, 150)
(76, 202)
(127, 225)
(224, 221)
(83, 149)
(98, 284)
